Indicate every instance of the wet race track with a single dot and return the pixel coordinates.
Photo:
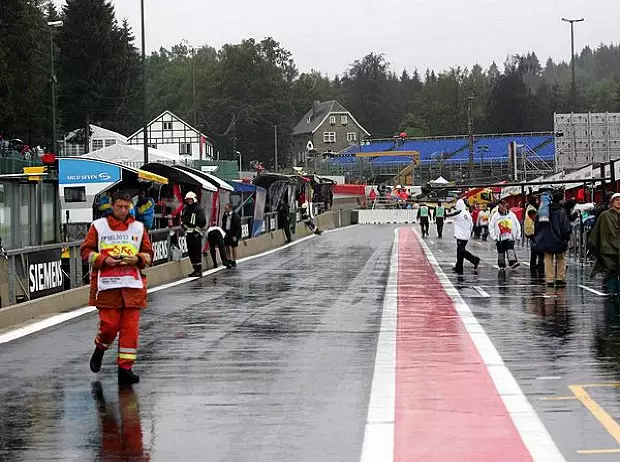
(302, 355)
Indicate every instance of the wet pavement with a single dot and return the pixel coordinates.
(560, 344)
(274, 361)
(270, 362)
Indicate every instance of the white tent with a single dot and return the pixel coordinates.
(440, 180)
(133, 156)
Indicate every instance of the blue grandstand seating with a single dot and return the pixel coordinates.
(485, 150)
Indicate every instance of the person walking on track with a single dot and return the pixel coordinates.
(440, 213)
(483, 223)
(193, 221)
(118, 248)
(424, 219)
(505, 230)
(551, 237)
(231, 223)
(605, 244)
(537, 259)
(463, 226)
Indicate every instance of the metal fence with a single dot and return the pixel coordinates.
(37, 271)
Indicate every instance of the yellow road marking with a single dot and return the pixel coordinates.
(597, 411)
(586, 452)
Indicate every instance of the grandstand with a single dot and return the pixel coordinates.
(447, 157)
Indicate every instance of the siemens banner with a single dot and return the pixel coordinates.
(80, 171)
(45, 275)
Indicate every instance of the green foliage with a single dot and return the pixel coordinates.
(99, 68)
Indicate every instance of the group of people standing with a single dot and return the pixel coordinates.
(224, 238)
(546, 226)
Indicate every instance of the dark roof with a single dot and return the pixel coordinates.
(318, 115)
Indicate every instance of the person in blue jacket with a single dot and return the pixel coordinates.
(104, 206)
(145, 209)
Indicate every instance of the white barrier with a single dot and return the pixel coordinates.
(387, 216)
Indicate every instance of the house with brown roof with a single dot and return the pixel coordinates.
(330, 127)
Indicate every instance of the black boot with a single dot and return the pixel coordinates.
(197, 273)
(127, 377)
(95, 359)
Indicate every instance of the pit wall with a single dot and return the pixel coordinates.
(14, 315)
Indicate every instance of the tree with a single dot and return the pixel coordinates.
(98, 68)
(24, 72)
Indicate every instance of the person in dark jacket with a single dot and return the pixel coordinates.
(193, 222)
(231, 224)
(551, 238)
(604, 206)
(605, 244)
(215, 239)
(284, 219)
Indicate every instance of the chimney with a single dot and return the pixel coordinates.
(315, 108)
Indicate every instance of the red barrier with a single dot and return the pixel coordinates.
(350, 189)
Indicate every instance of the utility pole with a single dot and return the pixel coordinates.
(194, 87)
(572, 56)
(52, 25)
(470, 133)
(275, 146)
(145, 134)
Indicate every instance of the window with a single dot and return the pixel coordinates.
(110, 142)
(48, 213)
(329, 137)
(332, 120)
(308, 119)
(351, 136)
(97, 144)
(6, 198)
(154, 146)
(75, 194)
(186, 149)
(344, 120)
(167, 125)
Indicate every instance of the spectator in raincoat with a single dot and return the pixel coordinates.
(537, 259)
(463, 226)
(605, 244)
(145, 209)
(505, 230)
(551, 238)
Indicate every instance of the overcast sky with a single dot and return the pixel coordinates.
(328, 35)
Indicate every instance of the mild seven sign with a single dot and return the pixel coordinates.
(80, 171)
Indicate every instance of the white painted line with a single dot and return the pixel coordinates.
(379, 433)
(596, 292)
(481, 291)
(557, 377)
(64, 317)
(533, 433)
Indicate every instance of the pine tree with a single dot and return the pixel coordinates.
(98, 68)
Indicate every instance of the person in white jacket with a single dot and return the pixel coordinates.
(505, 230)
(463, 226)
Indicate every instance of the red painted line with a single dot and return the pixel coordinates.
(447, 407)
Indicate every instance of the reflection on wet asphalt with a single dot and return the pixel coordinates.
(270, 362)
(274, 361)
(550, 339)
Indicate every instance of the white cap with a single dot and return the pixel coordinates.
(615, 196)
(191, 195)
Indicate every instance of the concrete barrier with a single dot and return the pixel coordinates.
(162, 274)
(386, 216)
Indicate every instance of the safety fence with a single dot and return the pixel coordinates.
(38, 271)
